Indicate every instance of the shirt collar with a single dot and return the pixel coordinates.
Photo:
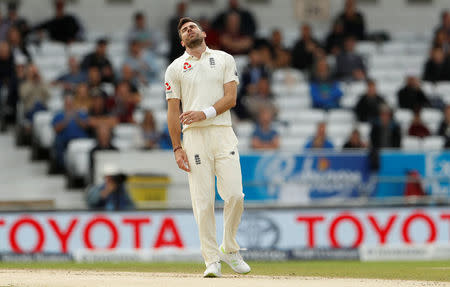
(186, 56)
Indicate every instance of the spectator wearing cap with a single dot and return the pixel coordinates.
(411, 96)
(140, 32)
(62, 27)
(319, 140)
(111, 194)
(325, 91)
(368, 106)
(353, 21)
(265, 137)
(305, 49)
(385, 132)
(349, 64)
(72, 77)
(99, 59)
(142, 63)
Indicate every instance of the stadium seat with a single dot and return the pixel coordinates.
(244, 128)
(443, 88)
(43, 132)
(340, 115)
(366, 48)
(302, 129)
(77, 157)
(410, 143)
(311, 116)
(292, 102)
(287, 76)
(244, 144)
(431, 116)
(364, 131)
(292, 144)
(339, 129)
(433, 143)
(127, 131)
(404, 118)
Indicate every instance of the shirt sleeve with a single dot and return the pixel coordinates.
(172, 84)
(230, 73)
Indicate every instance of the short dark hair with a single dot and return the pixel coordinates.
(138, 15)
(183, 21)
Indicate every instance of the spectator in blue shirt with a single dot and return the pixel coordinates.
(325, 91)
(68, 125)
(73, 77)
(320, 140)
(265, 136)
(112, 193)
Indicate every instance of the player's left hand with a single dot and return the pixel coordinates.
(191, 117)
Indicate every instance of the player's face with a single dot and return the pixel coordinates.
(191, 35)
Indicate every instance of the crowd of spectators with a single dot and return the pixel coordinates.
(98, 96)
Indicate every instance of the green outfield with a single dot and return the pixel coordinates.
(423, 270)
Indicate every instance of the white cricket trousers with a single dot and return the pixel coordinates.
(212, 152)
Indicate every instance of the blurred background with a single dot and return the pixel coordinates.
(342, 119)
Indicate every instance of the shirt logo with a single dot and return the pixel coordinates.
(168, 87)
(212, 62)
(197, 159)
(187, 67)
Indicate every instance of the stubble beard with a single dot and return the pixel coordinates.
(195, 42)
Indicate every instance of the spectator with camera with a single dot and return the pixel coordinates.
(112, 193)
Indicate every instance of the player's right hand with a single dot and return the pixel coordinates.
(182, 160)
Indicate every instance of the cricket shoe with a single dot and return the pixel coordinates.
(213, 270)
(234, 259)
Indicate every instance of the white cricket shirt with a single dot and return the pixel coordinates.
(198, 83)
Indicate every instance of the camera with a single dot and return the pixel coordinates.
(119, 178)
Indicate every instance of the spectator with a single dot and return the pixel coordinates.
(73, 77)
(411, 95)
(353, 21)
(442, 40)
(247, 21)
(8, 78)
(444, 127)
(103, 137)
(149, 136)
(355, 141)
(436, 69)
(99, 59)
(99, 116)
(262, 97)
(142, 63)
(325, 92)
(305, 50)
(68, 124)
(281, 55)
(334, 42)
(231, 38)
(112, 193)
(141, 33)
(213, 39)
(417, 127)
(385, 132)
(62, 27)
(17, 45)
(368, 107)
(176, 50)
(349, 64)
(445, 23)
(124, 103)
(264, 136)
(13, 20)
(34, 93)
(320, 140)
(127, 75)
(82, 99)
(95, 82)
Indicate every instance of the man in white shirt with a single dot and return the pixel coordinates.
(205, 82)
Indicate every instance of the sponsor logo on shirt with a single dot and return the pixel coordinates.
(197, 159)
(168, 88)
(187, 67)
(212, 62)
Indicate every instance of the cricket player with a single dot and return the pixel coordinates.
(205, 82)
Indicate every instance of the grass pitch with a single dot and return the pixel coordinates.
(423, 270)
